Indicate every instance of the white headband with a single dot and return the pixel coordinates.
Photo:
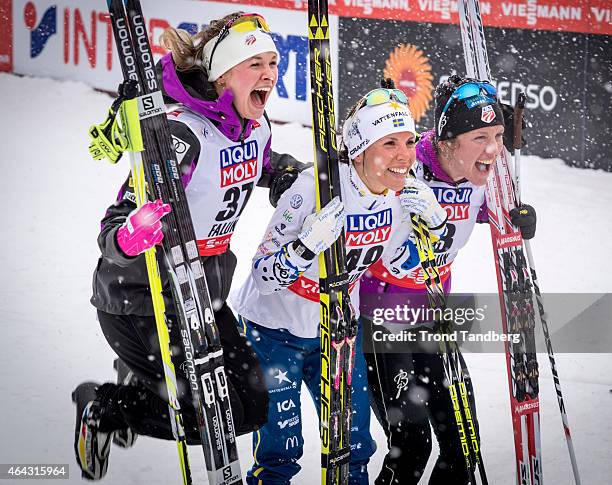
(370, 123)
(235, 48)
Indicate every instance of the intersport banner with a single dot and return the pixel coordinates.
(72, 39)
(566, 76)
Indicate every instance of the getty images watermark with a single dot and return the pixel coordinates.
(404, 323)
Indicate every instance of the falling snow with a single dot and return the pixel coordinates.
(51, 340)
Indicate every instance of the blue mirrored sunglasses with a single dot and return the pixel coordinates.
(481, 90)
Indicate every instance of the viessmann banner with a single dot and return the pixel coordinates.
(592, 16)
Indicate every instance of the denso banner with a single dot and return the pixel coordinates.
(566, 77)
(72, 39)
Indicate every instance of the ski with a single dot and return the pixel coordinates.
(514, 283)
(455, 368)
(338, 325)
(517, 144)
(202, 349)
(109, 140)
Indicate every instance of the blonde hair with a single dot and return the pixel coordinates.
(186, 48)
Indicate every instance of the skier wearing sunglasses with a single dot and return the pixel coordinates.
(216, 85)
(408, 389)
(279, 303)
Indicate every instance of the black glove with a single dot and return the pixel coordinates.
(286, 170)
(281, 182)
(524, 217)
(508, 113)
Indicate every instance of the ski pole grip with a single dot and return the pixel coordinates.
(518, 120)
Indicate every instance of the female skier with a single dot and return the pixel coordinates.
(407, 381)
(279, 303)
(218, 83)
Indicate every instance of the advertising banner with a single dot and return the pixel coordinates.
(553, 50)
(6, 35)
(72, 39)
(568, 91)
(589, 16)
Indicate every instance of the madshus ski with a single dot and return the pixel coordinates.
(338, 325)
(455, 368)
(515, 286)
(202, 351)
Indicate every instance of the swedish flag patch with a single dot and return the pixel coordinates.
(397, 122)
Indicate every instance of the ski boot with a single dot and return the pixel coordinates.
(91, 446)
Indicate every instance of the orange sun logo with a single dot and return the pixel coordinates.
(410, 70)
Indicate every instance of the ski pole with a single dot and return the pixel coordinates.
(517, 143)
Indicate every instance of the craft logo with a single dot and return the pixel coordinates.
(359, 147)
(238, 163)
(366, 229)
(39, 34)
(488, 114)
(410, 70)
(456, 201)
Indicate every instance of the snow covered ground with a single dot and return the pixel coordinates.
(52, 197)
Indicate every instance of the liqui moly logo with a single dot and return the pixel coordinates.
(508, 240)
(366, 229)
(456, 202)
(238, 163)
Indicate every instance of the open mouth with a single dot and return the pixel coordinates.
(402, 171)
(259, 96)
(484, 166)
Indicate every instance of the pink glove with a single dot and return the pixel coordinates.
(142, 229)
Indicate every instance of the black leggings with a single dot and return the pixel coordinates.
(144, 407)
(409, 397)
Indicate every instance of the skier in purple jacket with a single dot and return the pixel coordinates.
(216, 85)
(408, 390)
